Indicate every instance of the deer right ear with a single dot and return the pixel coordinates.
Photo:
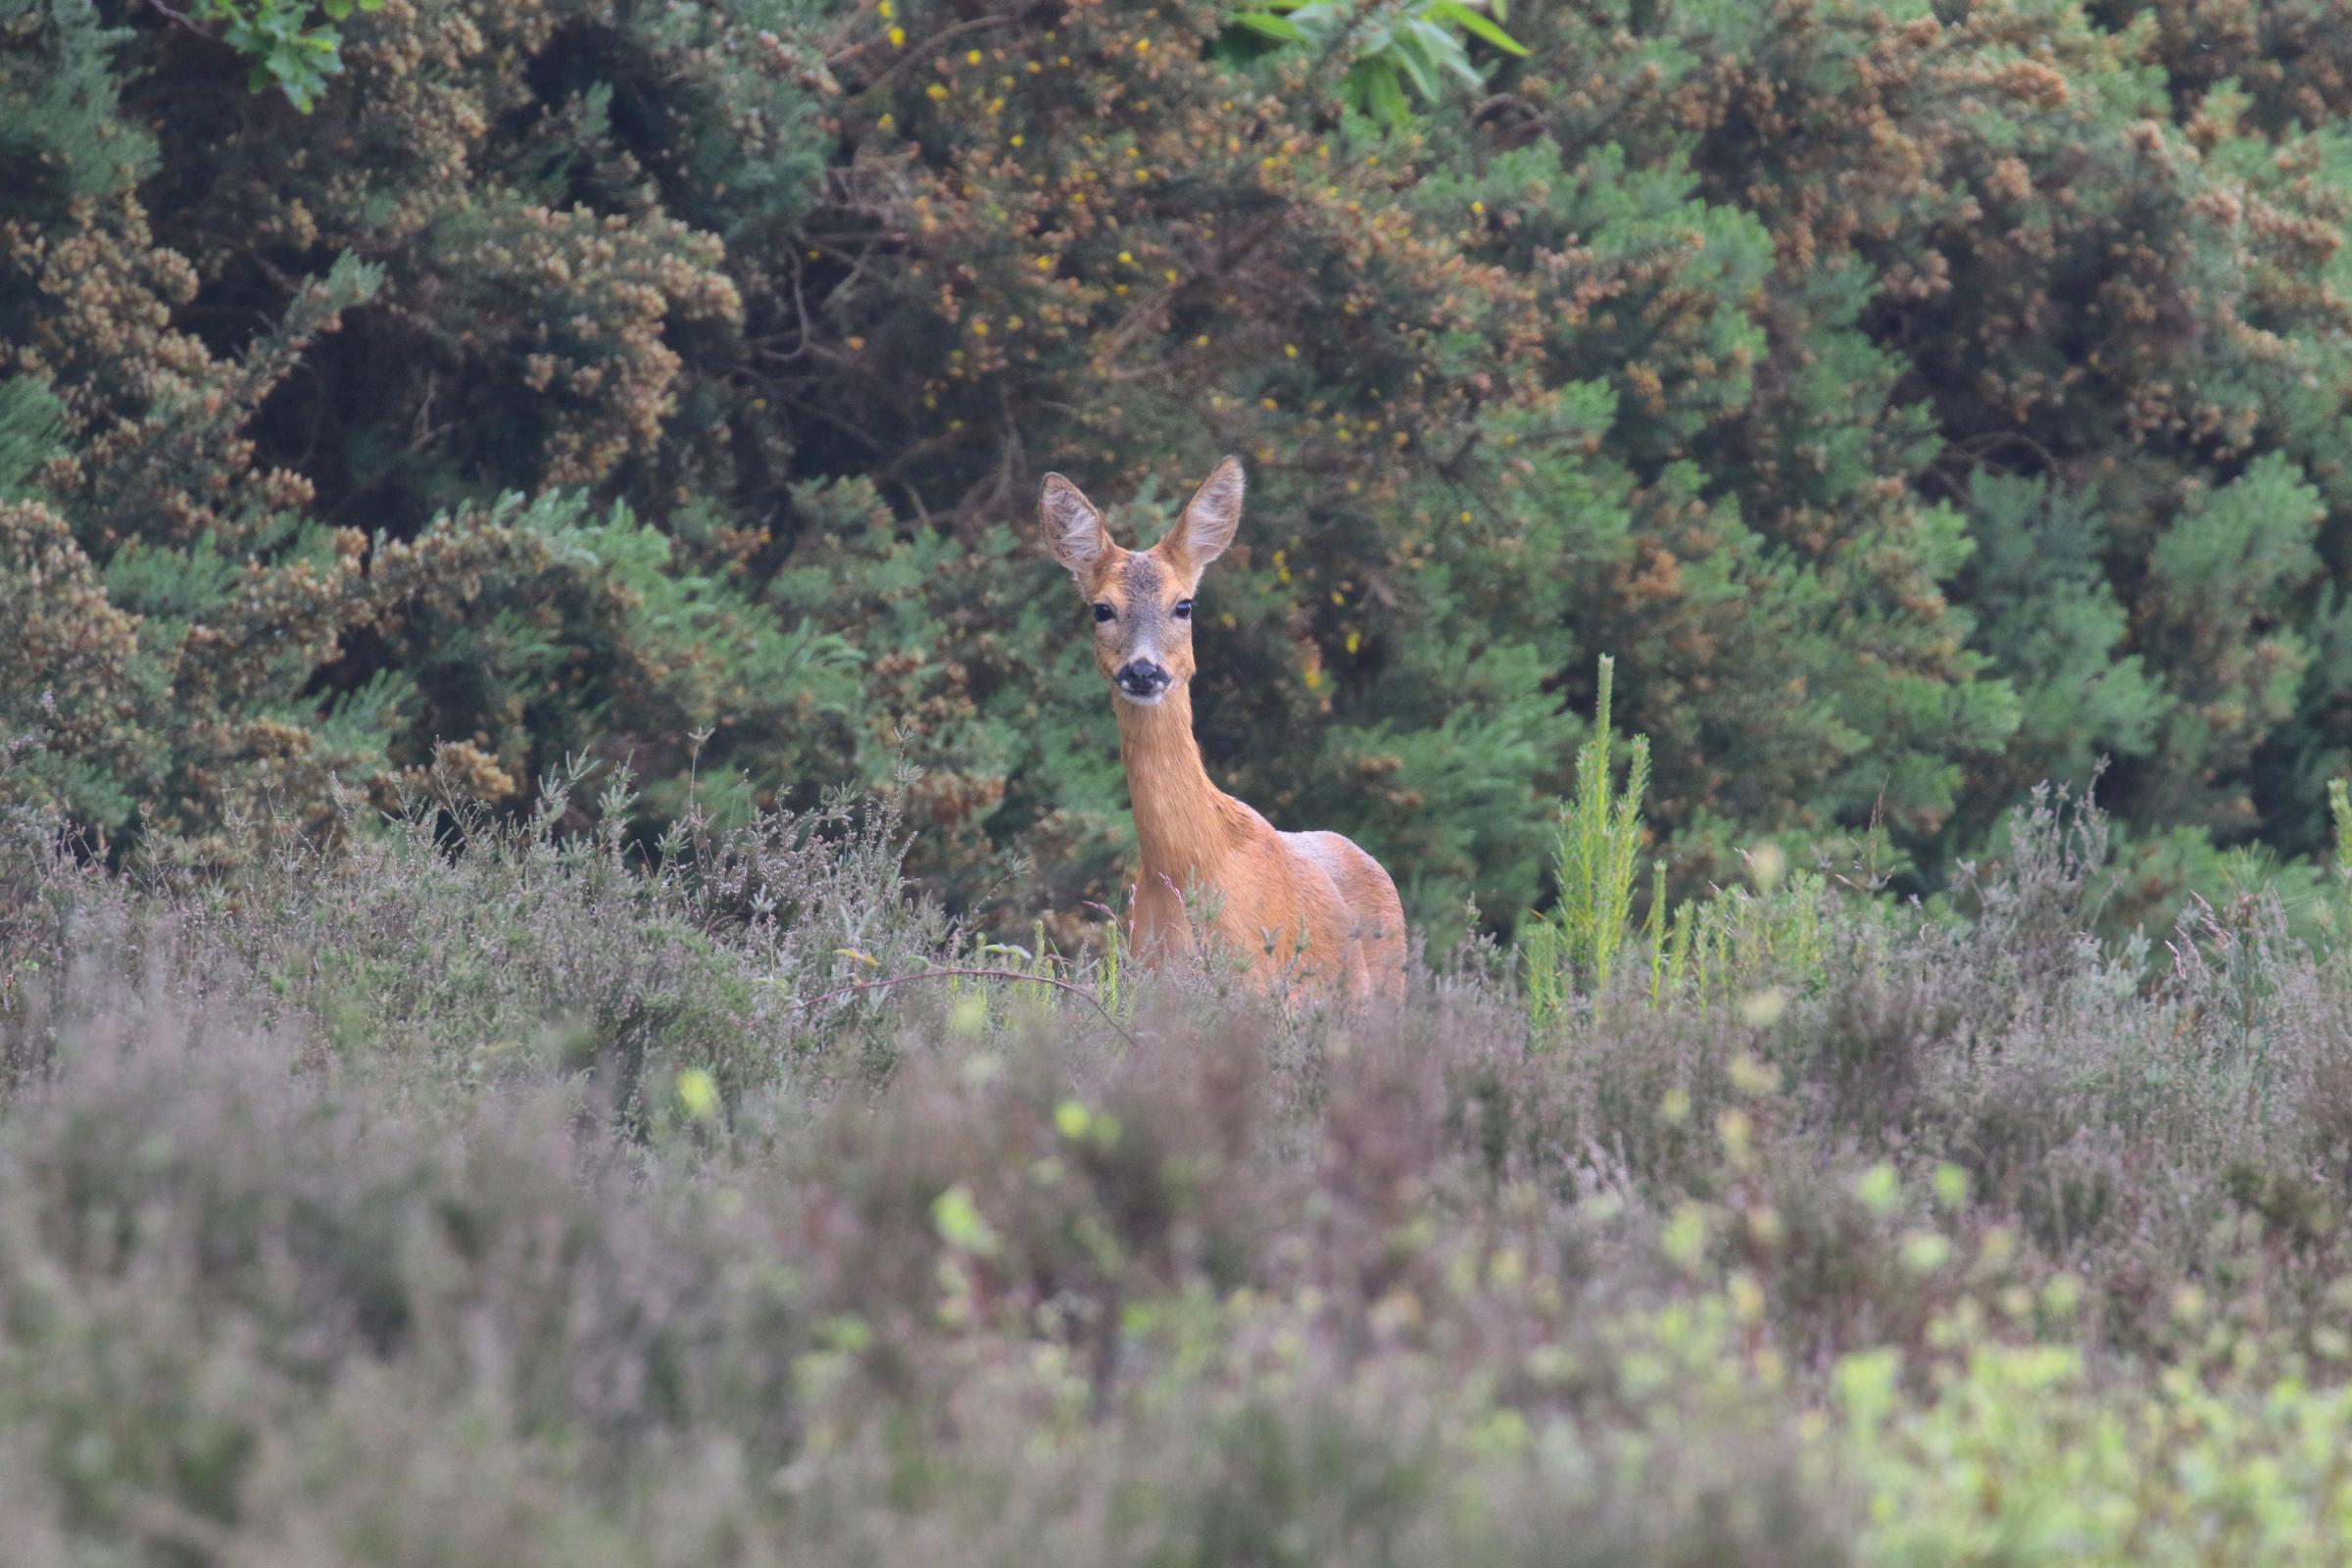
(1211, 518)
(1073, 527)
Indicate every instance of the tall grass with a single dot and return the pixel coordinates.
(493, 1195)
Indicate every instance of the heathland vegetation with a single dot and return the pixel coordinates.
(476, 1195)
(526, 658)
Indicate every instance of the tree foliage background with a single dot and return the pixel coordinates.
(1919, 400)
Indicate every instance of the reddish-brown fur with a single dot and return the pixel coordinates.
(1307, 904)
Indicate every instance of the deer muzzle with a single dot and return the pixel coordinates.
(1141, 680)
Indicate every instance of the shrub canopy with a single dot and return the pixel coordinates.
(1917, 400)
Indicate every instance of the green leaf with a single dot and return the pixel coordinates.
(1269, 25)
(1382, 92)
(1444, 51)
(1410, 52)
(1469, 20)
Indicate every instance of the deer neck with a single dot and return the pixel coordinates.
(1182, 821)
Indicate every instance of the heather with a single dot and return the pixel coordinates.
(490, 1195)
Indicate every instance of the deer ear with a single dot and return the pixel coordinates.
(1073, 527)
(1211, 518)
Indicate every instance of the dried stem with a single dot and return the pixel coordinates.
(983, 974)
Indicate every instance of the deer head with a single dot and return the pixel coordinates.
(1142, 599)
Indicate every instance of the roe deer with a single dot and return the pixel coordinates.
(1310, 902)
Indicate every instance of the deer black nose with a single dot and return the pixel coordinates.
(1141, 679)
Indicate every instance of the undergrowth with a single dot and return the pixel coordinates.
(493, 1193)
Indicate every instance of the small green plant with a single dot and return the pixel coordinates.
(1116, 1001)
(2339, 916)
(294, 45)
(1734, 939)
(1593, 859)
(2339, 813)
(1744, 942)
(1395, 47)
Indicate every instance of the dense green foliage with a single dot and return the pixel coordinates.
(1917, 400)
(485, 1197)
(293, 45)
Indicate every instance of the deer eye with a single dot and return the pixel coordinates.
(1105, 612)
(1183, 609)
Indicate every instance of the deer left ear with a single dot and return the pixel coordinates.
(1073, 527)
(1211, 518)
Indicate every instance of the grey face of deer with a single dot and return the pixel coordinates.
(1147, 631)
(1142, 600)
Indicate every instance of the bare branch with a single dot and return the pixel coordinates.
(1093, 1000)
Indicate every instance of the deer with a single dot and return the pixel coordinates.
(1309, 905)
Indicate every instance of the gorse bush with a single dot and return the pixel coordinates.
(1917, 403)
(488, 1194)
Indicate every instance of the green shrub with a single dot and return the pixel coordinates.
(1909, 430)
(288, 47)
